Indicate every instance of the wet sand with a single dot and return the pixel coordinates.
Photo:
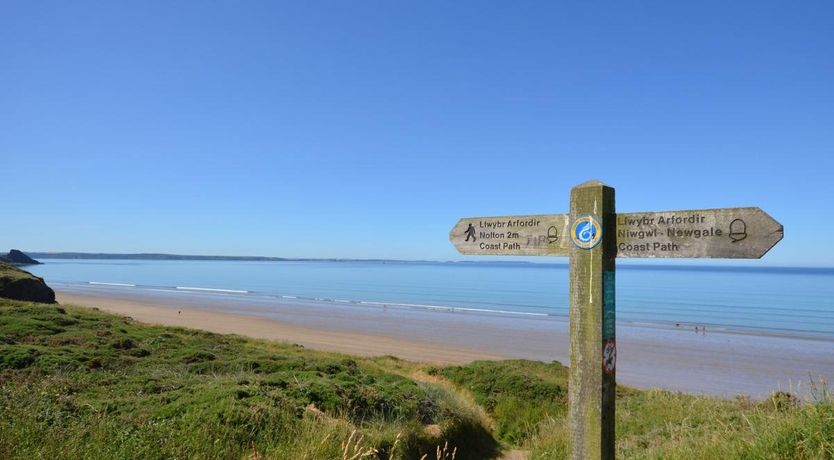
(716, 363)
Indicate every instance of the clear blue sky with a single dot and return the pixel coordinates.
(366, 129)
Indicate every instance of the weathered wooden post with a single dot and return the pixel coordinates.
(592, 235)
(591, 384)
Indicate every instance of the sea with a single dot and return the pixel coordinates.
(759, 300)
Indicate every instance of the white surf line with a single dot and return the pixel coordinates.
(448, 308)
(233, 291)
(320, 299)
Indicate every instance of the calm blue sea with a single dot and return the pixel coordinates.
(772, 300)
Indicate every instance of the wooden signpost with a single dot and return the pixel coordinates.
(592, 236)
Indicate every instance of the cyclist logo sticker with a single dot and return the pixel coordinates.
(586, 232)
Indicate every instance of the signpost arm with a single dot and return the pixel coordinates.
(592, 383)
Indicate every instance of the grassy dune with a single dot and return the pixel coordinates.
(78, 383)
(528, 404)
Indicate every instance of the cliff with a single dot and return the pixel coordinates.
(17, 257)
(19, 284)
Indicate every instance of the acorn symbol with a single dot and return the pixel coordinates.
(552, 234)
(738, 230)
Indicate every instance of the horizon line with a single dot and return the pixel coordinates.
(170, 256)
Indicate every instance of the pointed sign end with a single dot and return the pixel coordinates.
(452, 230)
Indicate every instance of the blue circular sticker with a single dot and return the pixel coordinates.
(586, 232)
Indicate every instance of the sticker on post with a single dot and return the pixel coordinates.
(609, 356)
(586, 232)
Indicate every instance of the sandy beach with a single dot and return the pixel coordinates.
(716, 363)
(354, 343)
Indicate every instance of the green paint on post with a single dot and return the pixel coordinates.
(608, 305)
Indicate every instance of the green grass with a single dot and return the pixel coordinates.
(78, 383)
(11, 272)
(527, 401)
(661, 425)
(517, 394)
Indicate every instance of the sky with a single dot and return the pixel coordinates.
(367, 129)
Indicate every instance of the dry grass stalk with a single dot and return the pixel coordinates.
(443, 453)
(356, 450)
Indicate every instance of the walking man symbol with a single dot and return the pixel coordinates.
(470, 233)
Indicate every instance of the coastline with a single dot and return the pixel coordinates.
(718, 363)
